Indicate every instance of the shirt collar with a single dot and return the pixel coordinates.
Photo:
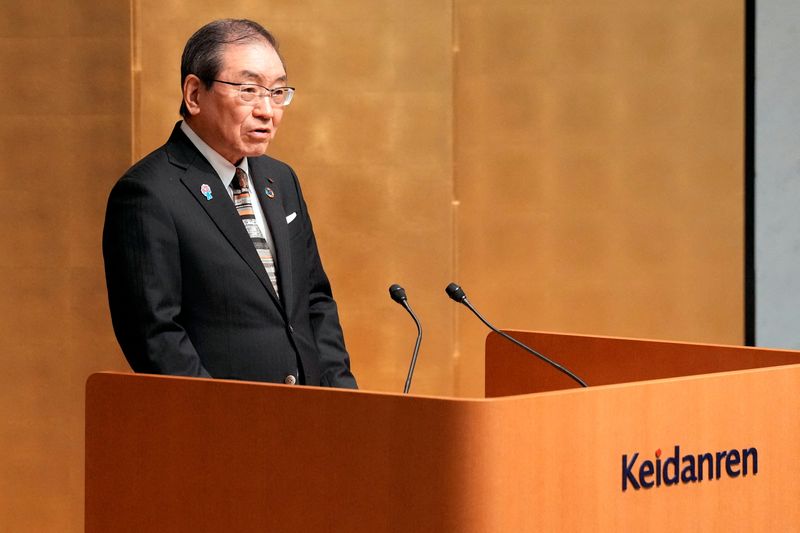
(224, 169)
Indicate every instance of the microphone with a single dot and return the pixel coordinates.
(398, 294)
(457, 294)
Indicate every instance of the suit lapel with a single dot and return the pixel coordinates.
(279, 229)
(202, 181)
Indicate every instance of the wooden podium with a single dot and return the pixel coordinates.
(669, 437)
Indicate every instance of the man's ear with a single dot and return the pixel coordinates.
(191, 93)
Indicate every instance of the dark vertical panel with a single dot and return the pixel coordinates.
(749, 175)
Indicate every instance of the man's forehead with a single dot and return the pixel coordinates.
(255, 61)
(256, 77)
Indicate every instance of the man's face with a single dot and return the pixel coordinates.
(233, 128)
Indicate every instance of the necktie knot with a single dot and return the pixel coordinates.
(240, 179)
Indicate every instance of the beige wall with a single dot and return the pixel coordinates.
(576, 166)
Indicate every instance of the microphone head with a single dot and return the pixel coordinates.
(397, 293)
(455, 292)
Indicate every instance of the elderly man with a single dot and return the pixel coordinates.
(211, 263)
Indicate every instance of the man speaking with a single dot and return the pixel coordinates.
(211, 263)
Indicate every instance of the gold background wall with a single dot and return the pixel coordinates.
(65, 130)
(599, 169)
(576, 166)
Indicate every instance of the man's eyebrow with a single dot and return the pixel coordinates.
(250, 75)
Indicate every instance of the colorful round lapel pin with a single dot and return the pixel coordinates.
(206, 191)
(269, 192)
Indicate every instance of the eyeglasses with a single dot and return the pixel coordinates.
(248, 92)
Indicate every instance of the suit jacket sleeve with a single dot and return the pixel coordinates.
(324, 316)
(142, 263)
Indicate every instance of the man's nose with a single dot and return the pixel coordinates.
(263, 107)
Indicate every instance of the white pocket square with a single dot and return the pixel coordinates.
(291, 217)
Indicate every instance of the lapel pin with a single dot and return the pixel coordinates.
(270, 180)
(269, 192)
(206, 191)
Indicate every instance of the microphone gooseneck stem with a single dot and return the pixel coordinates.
(416, 346)
(547, 360)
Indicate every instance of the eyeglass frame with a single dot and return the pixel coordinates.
(268, 91)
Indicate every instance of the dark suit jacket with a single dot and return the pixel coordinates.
(187, 291)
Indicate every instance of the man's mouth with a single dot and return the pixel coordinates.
(261, 132)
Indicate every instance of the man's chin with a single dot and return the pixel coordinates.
(256, 149)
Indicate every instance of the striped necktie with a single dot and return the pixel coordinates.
(244, 205)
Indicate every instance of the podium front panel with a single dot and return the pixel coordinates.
(181, 455)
